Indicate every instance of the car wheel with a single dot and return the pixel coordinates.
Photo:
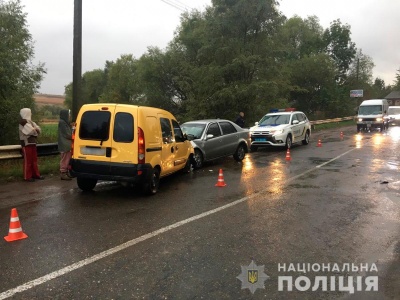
(198, 158)
(240, 153)
(253, 148)
(306, 138)
(151, 187)
(288, 143)
(86, 184)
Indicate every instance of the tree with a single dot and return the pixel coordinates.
(19, 78)
(121, 79)
(93, 85)
(227, 53)
(340, 47)
(396, 86)
(313, 80)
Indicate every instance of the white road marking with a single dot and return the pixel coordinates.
(31, 284)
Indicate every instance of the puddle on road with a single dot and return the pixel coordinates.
(303, 186)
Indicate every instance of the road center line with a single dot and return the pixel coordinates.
(101, 255)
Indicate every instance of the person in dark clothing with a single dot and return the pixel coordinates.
(64, 143)
(240, 119)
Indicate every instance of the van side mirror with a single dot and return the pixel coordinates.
(256, 123)
(209, 136)
(295, 122)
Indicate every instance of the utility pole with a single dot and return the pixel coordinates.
(77, 60)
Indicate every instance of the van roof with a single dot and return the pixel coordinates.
(373, 101)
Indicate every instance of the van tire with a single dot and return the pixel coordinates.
(189, 164)
(151, 186)
(86, 184)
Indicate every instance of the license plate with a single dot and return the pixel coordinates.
(369, 122)
(261, 139)
(93, 151)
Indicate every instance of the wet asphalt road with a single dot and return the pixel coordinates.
(338, 203)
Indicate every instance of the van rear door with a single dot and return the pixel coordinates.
(94, 134)
(124, 149)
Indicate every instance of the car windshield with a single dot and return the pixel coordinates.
(195, 129)
(273, 120)
(394, 111)
(370, 110)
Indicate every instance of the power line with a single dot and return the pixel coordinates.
(177, 4)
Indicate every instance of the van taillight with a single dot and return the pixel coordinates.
(141, 146)
(73, 140)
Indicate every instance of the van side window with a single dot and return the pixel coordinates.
(95, 125)
(166, 130)
(123, 128)
(177, 132)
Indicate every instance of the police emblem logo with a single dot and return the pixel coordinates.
(252, 277)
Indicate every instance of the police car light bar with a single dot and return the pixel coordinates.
(274, 110)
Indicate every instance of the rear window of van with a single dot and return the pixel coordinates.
(95, 125)
(123, 128)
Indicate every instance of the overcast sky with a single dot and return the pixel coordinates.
(113, 28)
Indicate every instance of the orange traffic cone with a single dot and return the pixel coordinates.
(319, 143)
(220, 181)
(288, 158)
(15, 232)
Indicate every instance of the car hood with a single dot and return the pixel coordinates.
(268, 127)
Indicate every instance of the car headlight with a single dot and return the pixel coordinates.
(379, 119)
(276, 131)
(359, 120)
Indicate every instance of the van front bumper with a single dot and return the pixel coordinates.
(134, 173)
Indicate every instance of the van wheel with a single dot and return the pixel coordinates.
(151, 187)
(86, 184)
(306, 138)
(189, 164)
(198, 158)
(240, 153)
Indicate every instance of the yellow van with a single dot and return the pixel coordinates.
(127, 143)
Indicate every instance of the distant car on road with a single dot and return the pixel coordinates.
(394, 115)
(216, 138)
(281, 128)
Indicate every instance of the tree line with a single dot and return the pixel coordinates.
(236, 55)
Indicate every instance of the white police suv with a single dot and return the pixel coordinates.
(281, 128)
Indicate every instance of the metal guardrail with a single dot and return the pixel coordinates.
(15, 151)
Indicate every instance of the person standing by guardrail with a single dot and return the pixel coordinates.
(28, 133)
(64, 142)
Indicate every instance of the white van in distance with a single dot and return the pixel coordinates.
(373, 114)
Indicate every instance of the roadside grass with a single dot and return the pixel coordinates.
(11, 170)
(49, 133)
(333, 125)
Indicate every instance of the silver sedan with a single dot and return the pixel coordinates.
(215, 138)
